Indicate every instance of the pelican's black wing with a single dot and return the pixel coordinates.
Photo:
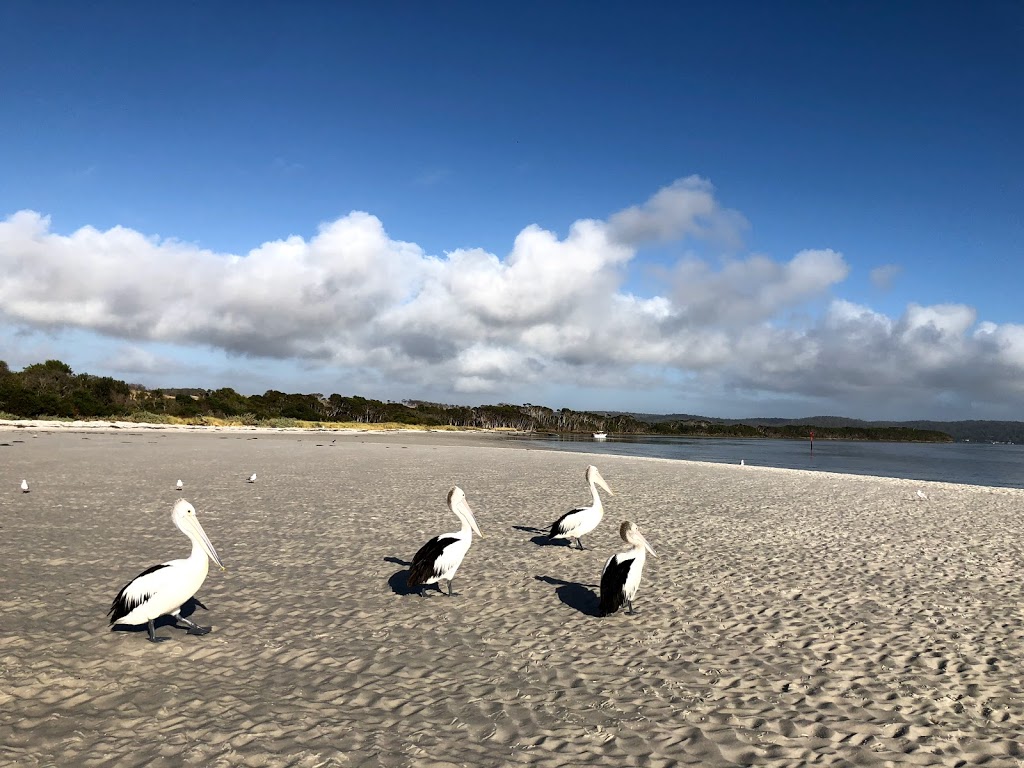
(556, 527)
(424, 563)
(613, 580)
(129, 599)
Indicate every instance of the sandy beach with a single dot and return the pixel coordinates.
(790, 618)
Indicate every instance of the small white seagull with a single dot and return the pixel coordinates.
(24, 486)
(179, 486)
(921, 494)
(743, 463)
(252, 478)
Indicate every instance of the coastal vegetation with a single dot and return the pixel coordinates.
(53, 390)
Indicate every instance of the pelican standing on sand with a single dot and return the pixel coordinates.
(440, 558)
(620, 578)
(24, 486)
(163, 589)
(580, 521)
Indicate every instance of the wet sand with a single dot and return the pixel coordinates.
(791, 618)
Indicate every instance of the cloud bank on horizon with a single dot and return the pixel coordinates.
(553, 312)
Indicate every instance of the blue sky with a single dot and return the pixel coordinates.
(882, 139)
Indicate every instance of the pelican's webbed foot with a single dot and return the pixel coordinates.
(450, 593)
(193, 628)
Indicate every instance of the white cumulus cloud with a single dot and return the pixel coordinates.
(551, 309)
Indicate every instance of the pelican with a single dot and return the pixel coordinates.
(162, 589)
(620, 578)
(576, 522)
(441, 557)
(252, 478)
(179, 485)
(24, 486)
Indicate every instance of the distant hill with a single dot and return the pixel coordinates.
(975, 431)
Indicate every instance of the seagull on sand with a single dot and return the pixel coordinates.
(620, 578)
(582, 520)
(24, 486)
(163, 589)
(440, 558)
(179, 485)
(922, 495)
(252, 478)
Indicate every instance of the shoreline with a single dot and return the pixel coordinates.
(99, 424)
(498, 438)
(105, 425)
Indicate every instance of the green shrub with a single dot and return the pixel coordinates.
(148, 417)
(280, 423)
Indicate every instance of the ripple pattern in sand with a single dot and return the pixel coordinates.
(790, 618)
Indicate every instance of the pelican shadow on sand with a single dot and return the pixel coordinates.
(543, 537)
(575, 595)
(399, 582)
(187, 609)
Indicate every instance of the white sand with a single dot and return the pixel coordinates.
(791, 618)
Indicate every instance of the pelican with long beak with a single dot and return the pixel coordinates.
(578, 522)
(163, 589)
(620, 578)
(440, 558)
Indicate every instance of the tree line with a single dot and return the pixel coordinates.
(53, 390)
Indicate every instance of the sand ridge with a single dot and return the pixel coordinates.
(790, 618)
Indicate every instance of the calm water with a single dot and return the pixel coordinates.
(971, 463)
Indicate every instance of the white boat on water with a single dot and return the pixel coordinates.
(600, 435)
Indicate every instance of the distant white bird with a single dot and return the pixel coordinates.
(252, 478)
(163, 589)
(179, 485)
(24, 486)
(620, 578)
(580, 521)
(921, 494)
(440, 558)
(743, 463)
